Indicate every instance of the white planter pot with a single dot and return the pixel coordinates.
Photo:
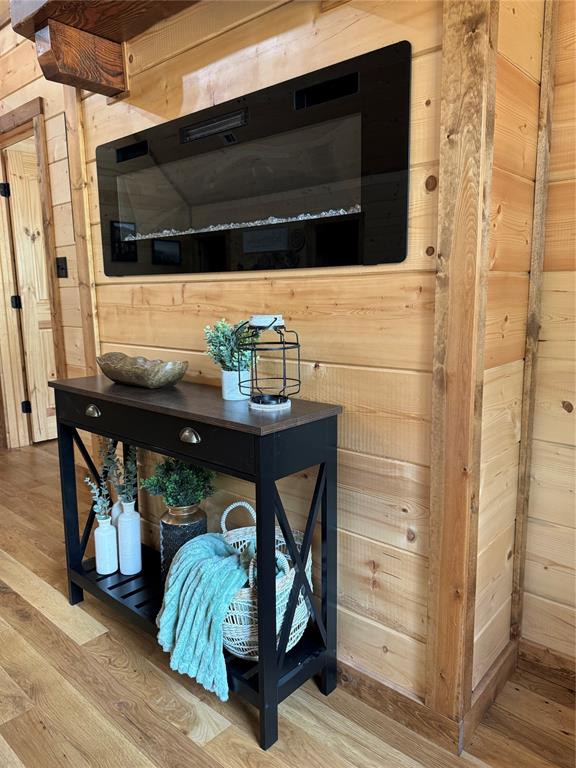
(106, 547)
(129, 540)
(230, 388)
(115, 512)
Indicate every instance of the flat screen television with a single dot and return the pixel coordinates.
(312, 172)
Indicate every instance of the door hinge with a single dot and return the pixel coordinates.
(16, 302)
(4, 189)
(26, 406)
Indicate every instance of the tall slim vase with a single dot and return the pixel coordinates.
(129, 540)
(106, 547)
(115, 512)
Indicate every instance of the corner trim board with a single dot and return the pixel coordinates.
(470, 30)
(534, 307)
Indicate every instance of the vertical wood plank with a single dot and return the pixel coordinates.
(534, 304)
(466, 152)
(84, 260)
(50, 244)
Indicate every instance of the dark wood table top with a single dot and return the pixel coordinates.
(199, 402)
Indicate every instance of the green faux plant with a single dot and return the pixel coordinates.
(100, 497)
(129, 487)
(181, 485)
(222, 342)
(122, 475)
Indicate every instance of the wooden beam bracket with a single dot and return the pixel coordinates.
(84, 60)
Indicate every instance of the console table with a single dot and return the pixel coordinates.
(192, 423)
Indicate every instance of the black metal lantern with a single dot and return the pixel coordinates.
(274, 362)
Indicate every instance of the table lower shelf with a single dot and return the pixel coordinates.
(139, 599)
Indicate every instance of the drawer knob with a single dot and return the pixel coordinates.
(93, 411)
(189, 435)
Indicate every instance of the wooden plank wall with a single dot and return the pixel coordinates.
(384, 381)
(20, 81)
(549, 616)
(519, 54)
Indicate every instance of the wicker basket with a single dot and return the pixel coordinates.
(241, 623)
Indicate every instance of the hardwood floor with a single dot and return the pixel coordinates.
(81, 689)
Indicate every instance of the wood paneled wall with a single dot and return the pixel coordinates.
(20, 81)
(549, 598)
(367, 333)
(519, 54)
(383, 382)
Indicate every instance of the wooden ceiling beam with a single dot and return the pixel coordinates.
(117, 21)
(80, 43)
(74, 57)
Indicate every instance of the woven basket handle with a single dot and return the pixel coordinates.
(229, 509)
(284, 564)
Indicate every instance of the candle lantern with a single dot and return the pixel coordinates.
(274, 362)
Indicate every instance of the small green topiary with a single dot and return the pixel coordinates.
(181, 485)
(222, 342)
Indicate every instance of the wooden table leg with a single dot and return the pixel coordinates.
(266, 582)
(70, 508)
(329, 563)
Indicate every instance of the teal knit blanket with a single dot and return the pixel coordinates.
(203, 578)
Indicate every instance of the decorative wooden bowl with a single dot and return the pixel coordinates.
(141, 372)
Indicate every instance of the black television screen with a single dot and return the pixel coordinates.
(312, 172)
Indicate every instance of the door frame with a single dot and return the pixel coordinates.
(22, 122)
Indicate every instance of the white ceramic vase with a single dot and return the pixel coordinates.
(115, 512)
(106, 546)
(129, 540)
(230, 387)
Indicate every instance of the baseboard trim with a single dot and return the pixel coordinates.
(488, 689)
(453, 735)
(546, 663)
(400, 707)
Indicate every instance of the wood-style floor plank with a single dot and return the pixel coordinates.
(89, 732)
(145, 715)
(169, 700)
(295, 745)
(72, 620)
(556, 748)
(9, 758)
(235, 749)
(39, 742)
(498, 750)
(333, 730)
(546, 715)
(546, 689)
(126, 712)
(13, 700)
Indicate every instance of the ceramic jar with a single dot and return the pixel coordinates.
(177, 526)
(230, 387)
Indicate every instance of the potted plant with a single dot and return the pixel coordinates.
(222, 342)
(182, 487)
(105, 542)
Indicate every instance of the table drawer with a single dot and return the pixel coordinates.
(156, 431)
